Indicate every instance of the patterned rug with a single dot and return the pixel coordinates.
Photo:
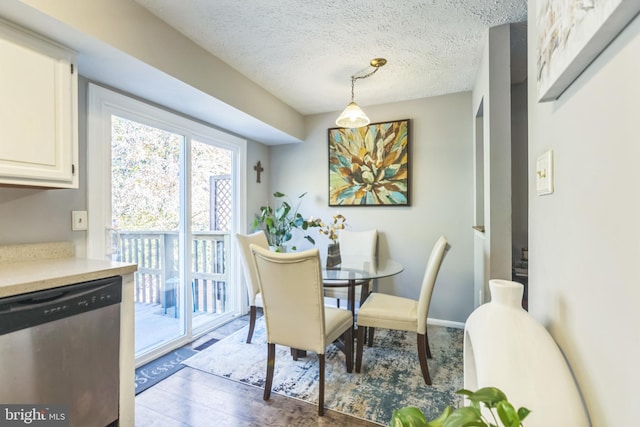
(390, 376)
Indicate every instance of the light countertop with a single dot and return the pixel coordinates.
(22, 276)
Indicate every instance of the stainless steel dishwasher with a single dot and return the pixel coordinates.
(62, 347)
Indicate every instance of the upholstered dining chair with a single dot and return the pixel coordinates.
(359, 244)
(404, 314)
(294, 311)
(246, 260)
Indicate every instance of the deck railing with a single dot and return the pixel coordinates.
(157, 279)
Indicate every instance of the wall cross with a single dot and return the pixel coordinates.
(258, 168)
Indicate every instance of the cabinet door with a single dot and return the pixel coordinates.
(38, 112)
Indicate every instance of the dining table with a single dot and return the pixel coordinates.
(356, 271)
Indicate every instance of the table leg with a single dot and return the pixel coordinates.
(364, 293)
(352, 306)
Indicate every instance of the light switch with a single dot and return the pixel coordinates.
(544, 173)
(78, 220)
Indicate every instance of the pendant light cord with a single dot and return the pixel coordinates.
(354, 78)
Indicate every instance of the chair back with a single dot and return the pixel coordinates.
(428, 282)
(291, 287)
(246, 260)
(358, 243)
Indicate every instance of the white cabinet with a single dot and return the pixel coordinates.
(38, 111)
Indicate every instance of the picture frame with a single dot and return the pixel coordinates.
(369, 166)
(571, 34)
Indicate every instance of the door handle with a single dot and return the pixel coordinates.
(113, 241)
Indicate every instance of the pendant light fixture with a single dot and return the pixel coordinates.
(353, 116)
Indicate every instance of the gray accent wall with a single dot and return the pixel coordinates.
(441, 151)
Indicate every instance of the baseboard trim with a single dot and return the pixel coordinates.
(447, 323)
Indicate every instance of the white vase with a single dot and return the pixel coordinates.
(505, 347)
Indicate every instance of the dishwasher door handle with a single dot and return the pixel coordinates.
(53, 296)
(27, 310)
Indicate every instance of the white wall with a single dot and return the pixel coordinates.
(258, 193)
(441, 150)
(493, 89)
(584, 238)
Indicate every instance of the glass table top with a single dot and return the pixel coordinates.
(361, 268)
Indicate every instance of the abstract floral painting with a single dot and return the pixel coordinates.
(369, 166)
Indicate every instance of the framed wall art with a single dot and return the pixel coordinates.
(571, 34)
(369, 166)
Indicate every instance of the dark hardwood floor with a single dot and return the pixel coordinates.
(194, 398)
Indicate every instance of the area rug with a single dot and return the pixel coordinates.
(390, 377)
(159, 369)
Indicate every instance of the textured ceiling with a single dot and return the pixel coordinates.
(304, 52)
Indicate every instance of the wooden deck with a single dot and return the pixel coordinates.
(154, 326)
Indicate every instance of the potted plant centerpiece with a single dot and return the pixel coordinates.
(279, 222)
(331, 231)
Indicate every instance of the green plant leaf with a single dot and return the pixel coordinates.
(467, 416)
(464, 392)
(408, 417)
(278, 194)
(472, 415)
(507, 414)
(439, 422)
(522, 413)
(490, 396)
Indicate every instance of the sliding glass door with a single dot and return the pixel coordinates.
(168, 201)
(146, 176)
(211, 220)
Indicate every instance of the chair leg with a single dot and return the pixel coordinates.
(271, 361)
(371, 331)
(348, 349)
(321, 390)
(426, 339)
(252, 323)
(422, 355)
(359, 347)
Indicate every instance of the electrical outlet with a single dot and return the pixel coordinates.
(78, 220)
